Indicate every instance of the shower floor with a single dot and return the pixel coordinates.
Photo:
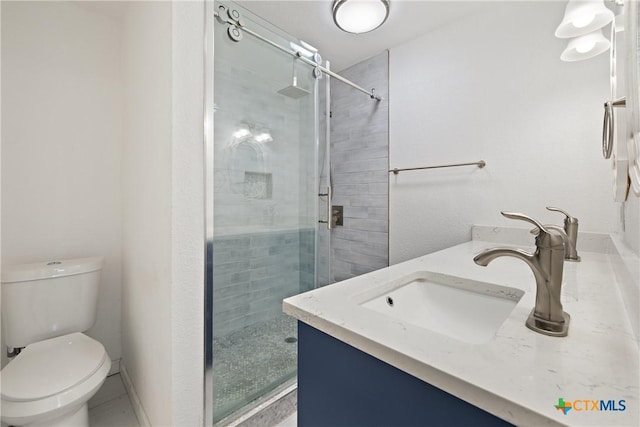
(251, 362)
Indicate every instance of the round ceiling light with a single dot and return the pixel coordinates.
(360, 16)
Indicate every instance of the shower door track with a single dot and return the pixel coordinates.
(235, 33)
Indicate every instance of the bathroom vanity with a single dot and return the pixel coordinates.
(339, 385)
(365, 359)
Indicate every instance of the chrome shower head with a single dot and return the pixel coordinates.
(293, 90)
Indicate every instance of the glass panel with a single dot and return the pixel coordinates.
(323, 235)
(266, 166)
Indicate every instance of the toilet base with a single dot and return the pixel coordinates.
(78, 418)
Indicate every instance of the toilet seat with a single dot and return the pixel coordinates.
(51, 366)
(52, 376)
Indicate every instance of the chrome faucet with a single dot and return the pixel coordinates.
(547, 263)
(571, 230)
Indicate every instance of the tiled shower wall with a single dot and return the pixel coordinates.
(265, 192)
(360, 165)
(253, 272)
(262, 184)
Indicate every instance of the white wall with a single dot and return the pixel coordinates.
(492, 87)
(188, 232)
(76, 181)
(61, 143)
(146, 310)
(163, 244)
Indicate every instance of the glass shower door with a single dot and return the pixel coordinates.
(265, 209)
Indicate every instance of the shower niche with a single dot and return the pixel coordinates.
(258, 185)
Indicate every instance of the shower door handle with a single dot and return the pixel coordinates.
(329, 213)
(329, 221)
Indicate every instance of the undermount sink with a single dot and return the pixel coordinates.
(464, 309)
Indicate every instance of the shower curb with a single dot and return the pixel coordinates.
(272, 411)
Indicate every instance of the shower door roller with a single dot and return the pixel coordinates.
(235, 33)
(234, 14)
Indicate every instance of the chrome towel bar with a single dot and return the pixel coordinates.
(480, 164)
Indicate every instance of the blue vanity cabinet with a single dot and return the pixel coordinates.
(341, 386)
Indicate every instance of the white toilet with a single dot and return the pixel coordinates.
(45, 307)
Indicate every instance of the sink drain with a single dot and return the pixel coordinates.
(290, 340)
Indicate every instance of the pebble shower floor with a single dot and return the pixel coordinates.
(250, 362)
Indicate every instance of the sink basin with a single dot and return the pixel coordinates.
(464, 309)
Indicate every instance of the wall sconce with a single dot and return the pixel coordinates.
(241, 133)
(360, 16)
(583, 20)
(247, 133)
(585, 47)
(583, 17)
(263, 138)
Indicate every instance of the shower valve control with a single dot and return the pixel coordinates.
(337, 215)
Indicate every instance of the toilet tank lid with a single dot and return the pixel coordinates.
(50, 269)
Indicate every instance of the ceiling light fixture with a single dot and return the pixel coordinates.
(360, 16)
(582, 17)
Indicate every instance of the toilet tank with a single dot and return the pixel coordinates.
(48, 299)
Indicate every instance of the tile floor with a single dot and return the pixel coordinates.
(111, 407)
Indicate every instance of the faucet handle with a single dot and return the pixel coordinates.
(568, 218)
(552, 229)
(523, 217)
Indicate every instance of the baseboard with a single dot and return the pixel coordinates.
(143, 420)
(115, 367)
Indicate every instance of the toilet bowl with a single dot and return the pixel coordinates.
(50, 381)
(45, 308)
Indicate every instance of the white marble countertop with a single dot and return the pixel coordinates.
(518, 375)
